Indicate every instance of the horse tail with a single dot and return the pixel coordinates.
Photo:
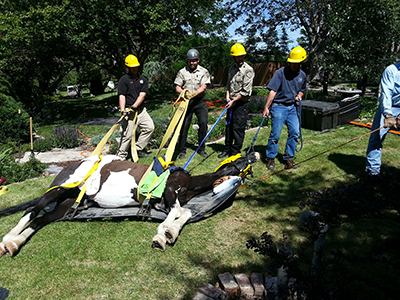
(19, 207)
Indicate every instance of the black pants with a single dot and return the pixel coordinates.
(235, 131)
(199, 107)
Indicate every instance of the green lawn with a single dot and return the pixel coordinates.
(113, 259)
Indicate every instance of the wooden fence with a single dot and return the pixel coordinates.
(263, 73)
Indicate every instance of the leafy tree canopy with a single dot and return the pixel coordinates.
(352, 38)
(41, 41)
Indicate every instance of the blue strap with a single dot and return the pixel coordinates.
(298, 109)
(255, 137)
(209, 132)
(229, 116)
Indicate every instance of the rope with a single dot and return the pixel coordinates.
(312, 157)
(88, 141)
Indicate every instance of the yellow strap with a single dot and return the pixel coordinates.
(80, 196)
(3, 190)
(134, 154)
(233, 158)
(76, 183)
(229, 159)
(164, 163)
(100, 146)
(174, 127)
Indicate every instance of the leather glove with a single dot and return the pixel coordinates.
(398, 121)
(221, 180)
(389, 122)
(189, 95)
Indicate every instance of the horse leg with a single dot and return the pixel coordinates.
(14, 232)
(27, 217)
(13, 242)
(172, 232)
(160, 239)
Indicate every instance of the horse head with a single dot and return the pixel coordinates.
(180, 185)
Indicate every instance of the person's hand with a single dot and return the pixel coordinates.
(389, 122)
(265, 112)
(189, 95)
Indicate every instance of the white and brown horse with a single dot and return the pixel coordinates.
(114, 184)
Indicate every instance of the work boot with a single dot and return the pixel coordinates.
(142, 154)
(223, 154)
(289, 164)
(271, 164)
(182, 155)
(203, 153)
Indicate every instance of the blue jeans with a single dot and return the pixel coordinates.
(282, 114)
(374, 150)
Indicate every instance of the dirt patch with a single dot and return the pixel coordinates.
(64, 164)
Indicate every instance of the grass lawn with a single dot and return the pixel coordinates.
(113, 259)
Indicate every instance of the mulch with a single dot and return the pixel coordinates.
(64, 163)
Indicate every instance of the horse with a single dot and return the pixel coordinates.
(113, 184)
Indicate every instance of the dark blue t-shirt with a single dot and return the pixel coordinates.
(287, 84)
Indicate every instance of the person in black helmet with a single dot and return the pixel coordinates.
(195, 79)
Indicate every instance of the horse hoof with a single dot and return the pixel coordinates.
(3, 249)
(11, 248)
(159, 243)
(171, 233)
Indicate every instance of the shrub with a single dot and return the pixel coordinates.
(256, 121)
(42, 145)
(160, 127)
(15, 127)
(257, 104)
(368, 107)
(16, 172)
(66, 137)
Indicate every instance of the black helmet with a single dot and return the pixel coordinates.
(193, 54)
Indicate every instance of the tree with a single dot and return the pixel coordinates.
(364, 37)
(43, 40)
(263, 19)
(350, 37)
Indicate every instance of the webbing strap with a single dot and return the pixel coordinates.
(104, 140)
(229, 160)
(174, 127)
(134, 154)
(77, 183)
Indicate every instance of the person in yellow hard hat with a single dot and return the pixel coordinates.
(286, 88)
(238, 92)
(132, 89)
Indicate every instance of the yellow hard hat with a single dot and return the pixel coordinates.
(297, 55)
(238, 50)
(131, 61)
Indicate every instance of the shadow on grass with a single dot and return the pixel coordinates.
(360, 260)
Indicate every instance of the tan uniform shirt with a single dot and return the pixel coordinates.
(192, 80)
(240, 81)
